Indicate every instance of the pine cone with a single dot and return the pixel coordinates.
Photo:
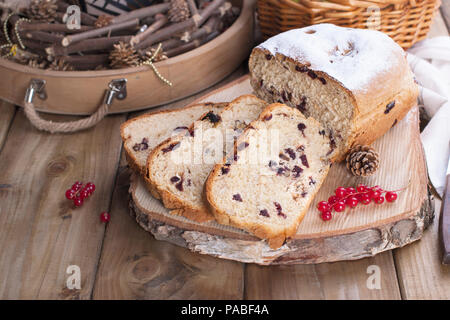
(38, 63)
(123, 55)
(103, 21)
(60, 65)
(362, 160)
(159, 57)
(178, 11)
(42, 10)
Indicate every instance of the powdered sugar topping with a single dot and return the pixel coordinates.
(351, 56)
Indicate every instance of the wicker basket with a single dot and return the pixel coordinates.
(406, 21)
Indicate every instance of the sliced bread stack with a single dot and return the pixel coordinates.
(246, 164)
(178, 168)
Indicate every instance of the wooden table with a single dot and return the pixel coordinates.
(41, 235)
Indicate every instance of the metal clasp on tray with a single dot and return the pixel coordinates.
(36, 86)
(117, 89)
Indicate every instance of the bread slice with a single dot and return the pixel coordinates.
(141, 134)
(177, 169)
(281, 161)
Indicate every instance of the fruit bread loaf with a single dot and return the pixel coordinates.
(177, 169)
(141, 134)
(356, 82)
(269, 194)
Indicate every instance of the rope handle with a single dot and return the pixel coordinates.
(117, 89)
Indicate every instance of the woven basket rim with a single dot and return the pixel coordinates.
(348, 5)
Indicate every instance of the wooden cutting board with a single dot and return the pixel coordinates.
(353, 234)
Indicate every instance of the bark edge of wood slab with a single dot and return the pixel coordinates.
(300, 251)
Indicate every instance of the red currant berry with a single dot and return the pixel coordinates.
(351, 190)
(339, 206)
(351, 201)
(84, 193)
(361, 188)
(90, 186)
(78, 201)
(105, 217)
(77, 186)
(326, 215)
(323, 206)
(341, 192)
(391, 196)
(332, 200)
(70, 194)
(378, 200)
(365, 199)
(374, 194)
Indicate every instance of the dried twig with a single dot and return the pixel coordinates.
(192, 7)
(167, 32)
(41, 36)
(87, 45)
(52, 27)
(141, 13)
(34, 47)
(160, 21)
(99, 31)
(184, 48)
(210, 26)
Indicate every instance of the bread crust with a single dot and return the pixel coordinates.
(274, 239)
(369, 120)
(131, 159)
(171, 201)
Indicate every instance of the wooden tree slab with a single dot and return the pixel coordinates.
(361, 232)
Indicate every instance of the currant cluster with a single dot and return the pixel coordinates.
(78, 193)
(351, 197)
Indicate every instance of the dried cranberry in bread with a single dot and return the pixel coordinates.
(141, 134)
(177, 169)
(269, 186)
(356, 82)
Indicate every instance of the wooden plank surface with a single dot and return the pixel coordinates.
(134, 265)
(420, 272)
(340, 280)
(7, 112)
(41, 234)
(145, 268)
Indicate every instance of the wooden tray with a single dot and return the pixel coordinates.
(356, 233)
(81, 92)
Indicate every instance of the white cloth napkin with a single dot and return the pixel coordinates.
(430, 62)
